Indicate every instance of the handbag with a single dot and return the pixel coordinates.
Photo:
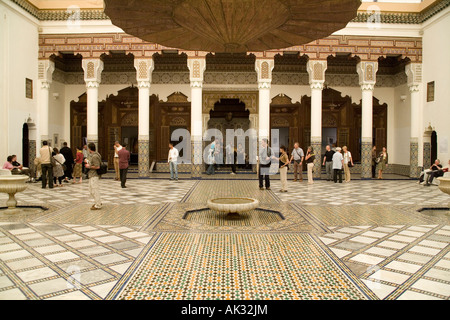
(64, 167)
(52, 160)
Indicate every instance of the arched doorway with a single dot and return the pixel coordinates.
(231, 114)
(434, 146)
(25, 145)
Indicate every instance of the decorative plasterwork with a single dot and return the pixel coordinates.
(367, 72)
(250, 98)
(45, 71)
(366, 48)
(414, 74)
(197, 67)
(144, 69)
(264, 68)
(92, 71)
(316, 70)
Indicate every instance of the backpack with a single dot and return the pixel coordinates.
(103, 169)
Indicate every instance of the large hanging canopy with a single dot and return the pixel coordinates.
(231, 25)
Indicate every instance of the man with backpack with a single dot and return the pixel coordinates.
(94, 163)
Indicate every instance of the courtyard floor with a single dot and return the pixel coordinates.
(363, 240)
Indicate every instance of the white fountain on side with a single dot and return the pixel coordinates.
(11, 185)
(444, 185)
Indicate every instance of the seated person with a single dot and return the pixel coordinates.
(18, 168)
(437, 173)
(425, 175)
(8, 164)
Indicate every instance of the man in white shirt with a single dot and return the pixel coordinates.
(338, 164)
(117, 148)
(173, 162)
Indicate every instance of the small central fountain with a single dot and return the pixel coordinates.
(233, 207)
(444, 185)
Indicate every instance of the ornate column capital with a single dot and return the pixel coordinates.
(367, 71)
(93, 69)
(144, 84)
(45, 72)
(316, 70)
(92, 84)
(414, 73)
(144, 70)
(264, 68)
(197, 67)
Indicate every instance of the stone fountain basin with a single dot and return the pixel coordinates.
(444, 185)
(12, 185)
(233, 205)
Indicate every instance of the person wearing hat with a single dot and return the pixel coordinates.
(338, 164)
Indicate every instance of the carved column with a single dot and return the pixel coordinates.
(264, 69)
(46, 69)
(367, 79)
(197, 67)
(144, 69)
(316, 70)
(414, 73)
(93, 77)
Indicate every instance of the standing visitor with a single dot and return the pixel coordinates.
(78, 168)
(284, 165)
(124, 163)
(348, 161)
(338, 164)
(46, 165)
(233, 166)
(241, 156)
(265, 155)
(173, 162)
(211, 159)
(383, 164)
(58, 169)
(374, 161)
(93, 163)
(68, 155)
(117, 148)
(298, 156)
(85, 156)
(310, 157)
(328, 163)
(229, 151)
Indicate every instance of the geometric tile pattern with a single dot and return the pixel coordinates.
(366, 156)
(137, 192)
(365, 193)
(232, 266)
(45, 261)
(397, 261)
(144, 155)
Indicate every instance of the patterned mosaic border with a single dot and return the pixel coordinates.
(256, 267)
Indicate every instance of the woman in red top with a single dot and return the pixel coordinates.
(77, 170)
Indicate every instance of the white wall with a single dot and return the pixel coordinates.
(18, 60)
(436, 67)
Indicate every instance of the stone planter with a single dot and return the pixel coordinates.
(12, 185)
(233, 206)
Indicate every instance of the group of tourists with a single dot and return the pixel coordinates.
(337, 163)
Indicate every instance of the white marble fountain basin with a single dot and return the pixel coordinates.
(444, 185)
(233, 205)
(12, 185)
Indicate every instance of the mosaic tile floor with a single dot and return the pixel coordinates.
(361, 240)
